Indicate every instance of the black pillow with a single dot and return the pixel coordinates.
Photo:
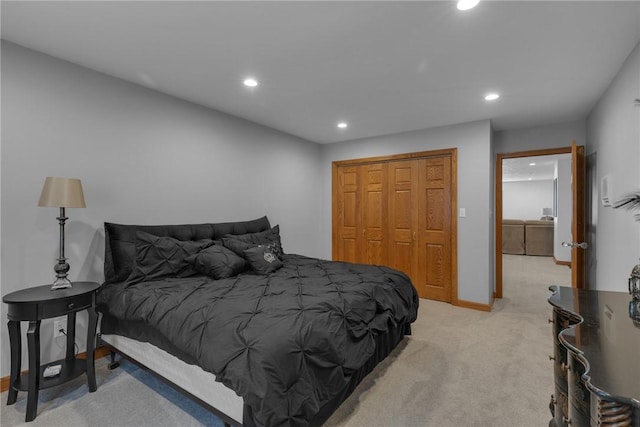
(158, 257)
(262, 259)
(242, 242)
(120, 239)
(235, 245)
(218, 262)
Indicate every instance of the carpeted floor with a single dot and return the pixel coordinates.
(460, 367)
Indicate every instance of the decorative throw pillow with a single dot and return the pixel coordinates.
(235, 245)
(218, 262)
(262, 259)
(242, 242)
(158, 257)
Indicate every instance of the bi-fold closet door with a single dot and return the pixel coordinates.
(398, 211)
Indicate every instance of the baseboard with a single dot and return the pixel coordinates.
(474, 305)
(558, 262)
(4, 384)
(99, 353)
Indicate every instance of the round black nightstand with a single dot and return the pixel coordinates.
(33, 305)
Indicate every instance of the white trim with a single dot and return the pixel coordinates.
(192, 378)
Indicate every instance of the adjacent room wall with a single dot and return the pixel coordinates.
(143, 157)
(613, 134)
(475, 179)
(525, 199)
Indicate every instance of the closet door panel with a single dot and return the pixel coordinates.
(402, 216)
(348, 216)
(373, 213)
(434, 225)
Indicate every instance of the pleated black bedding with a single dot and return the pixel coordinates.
(288, 342)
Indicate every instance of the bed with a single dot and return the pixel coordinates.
(258, 336)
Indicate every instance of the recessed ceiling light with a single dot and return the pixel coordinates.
(250, 82)
(342, 125)
(491, 96)
(532, 164)
(467, 4)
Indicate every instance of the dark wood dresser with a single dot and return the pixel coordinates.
(596, 359)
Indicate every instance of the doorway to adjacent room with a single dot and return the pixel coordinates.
(565, 198)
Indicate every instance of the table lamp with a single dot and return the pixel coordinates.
(62, 193)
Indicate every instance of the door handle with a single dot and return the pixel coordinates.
(572, 245)
(414, 235)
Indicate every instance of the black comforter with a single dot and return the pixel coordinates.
(286, 342)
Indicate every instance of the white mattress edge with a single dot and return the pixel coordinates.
(192, 378)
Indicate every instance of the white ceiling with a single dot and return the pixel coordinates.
(383, 66)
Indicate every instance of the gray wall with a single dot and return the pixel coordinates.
(525, 199)
(475, 181)
(143, 157)
(613, 130)
(539, 138)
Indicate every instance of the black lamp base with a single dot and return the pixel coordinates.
(61, 269)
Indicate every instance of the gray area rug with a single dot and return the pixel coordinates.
(460, 367)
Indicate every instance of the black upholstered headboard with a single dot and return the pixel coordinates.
(120, 239)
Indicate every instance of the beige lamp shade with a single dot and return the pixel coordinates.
(62, 193)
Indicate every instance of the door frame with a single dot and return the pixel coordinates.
(453, 153)
(498, 203)
(578, 255)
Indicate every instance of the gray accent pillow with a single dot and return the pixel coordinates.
(218, 262)
(262, 259)
(242, 242)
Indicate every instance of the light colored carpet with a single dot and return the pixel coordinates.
(460, 367)
(469, 368)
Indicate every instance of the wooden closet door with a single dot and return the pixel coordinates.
(434, 239)
(347, 215)
(402, 212)
(374, 193)
(361, 214)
